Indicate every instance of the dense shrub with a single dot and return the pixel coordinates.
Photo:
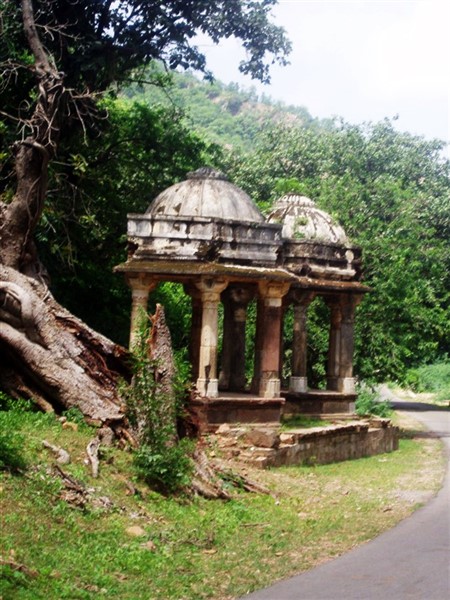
(433, 378)
(368, 402)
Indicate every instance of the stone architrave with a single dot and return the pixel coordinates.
(232, 375)
(301, 299)
(267, 359)
(141, 285)
(207, 382)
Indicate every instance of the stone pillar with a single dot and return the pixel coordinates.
(196, 328)
(334, 343)
(207, 382)
(346, 382)
(232, 374)
(341, 343)
(298, 381)
(267, 359)
(141, 286)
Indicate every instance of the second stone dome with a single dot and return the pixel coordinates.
(303, 221)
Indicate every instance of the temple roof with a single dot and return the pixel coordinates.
(302, 220)
(206, 193)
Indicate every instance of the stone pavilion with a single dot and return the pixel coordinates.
(207, 234)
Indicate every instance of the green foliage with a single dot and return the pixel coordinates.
(433, 378)
(11, 440)
(169, 468)
(222, 114)
(90, 40)
(162, 460)
(135, 154)
(11, 443)
(368, 403)
(391, 193)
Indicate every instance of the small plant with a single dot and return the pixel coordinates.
(162, 460)
(368, 403)
(167, 467)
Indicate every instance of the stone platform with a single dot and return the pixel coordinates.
(265, 447)
(318, 403)
(235, 408)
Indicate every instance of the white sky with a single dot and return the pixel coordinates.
(363, 60)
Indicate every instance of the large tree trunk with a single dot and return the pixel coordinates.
(53, 357)
(46, 353)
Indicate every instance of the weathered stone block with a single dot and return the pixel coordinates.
(266, 438)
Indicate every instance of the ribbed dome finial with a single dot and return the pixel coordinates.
(207, 173)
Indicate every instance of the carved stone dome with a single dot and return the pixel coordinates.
(204, 218)
(303, 221)
(206, 193)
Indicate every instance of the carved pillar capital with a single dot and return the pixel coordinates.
(272, 292)
(210, 288)
(299, 297)
(141, 281)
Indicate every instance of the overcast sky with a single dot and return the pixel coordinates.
(359, 59)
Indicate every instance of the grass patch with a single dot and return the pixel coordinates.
(191, 548)
(303, 422)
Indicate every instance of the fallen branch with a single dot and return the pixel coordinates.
(62, 456)
(92, 453)
(74, 493)
(15, 566)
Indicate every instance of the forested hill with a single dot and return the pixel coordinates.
(220, 113)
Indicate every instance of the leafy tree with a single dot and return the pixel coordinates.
(136, 152)
(57, 57)
(391, 192)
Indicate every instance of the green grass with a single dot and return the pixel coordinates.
(301, 421)
(190, 548)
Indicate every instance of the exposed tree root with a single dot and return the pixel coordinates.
(213, 478)
(53, 358)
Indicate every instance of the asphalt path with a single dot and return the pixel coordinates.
(409, 562)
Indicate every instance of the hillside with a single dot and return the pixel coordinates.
(224, 114)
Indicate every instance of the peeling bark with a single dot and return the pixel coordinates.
(55, 355)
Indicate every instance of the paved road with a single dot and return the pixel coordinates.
(409, 562)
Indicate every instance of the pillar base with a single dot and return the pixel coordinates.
(298, 384)
(346, 385)
(208, 388)
(270, 388)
